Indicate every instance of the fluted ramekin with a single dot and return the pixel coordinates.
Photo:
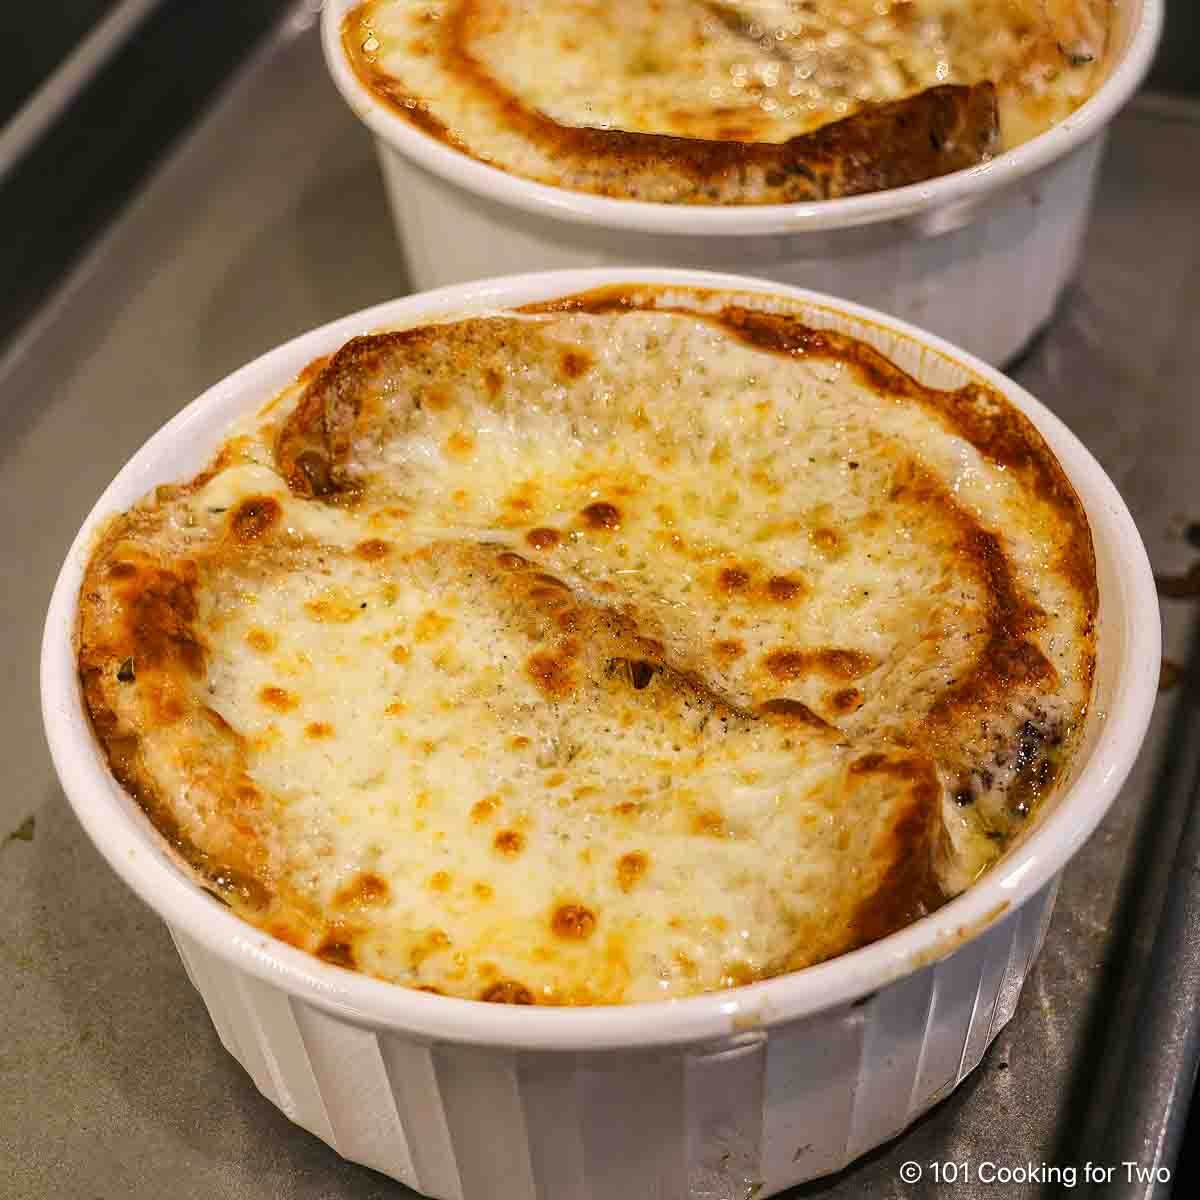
(769, 1084)
(979, 257)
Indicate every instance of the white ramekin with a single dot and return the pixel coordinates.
(979, 257)
(769, 1084)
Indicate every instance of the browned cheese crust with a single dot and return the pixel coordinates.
(937, 131)
(158, 584)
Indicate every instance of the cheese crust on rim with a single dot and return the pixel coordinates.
(730, 101)
(640, 644)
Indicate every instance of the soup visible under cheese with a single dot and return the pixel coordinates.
(731, 101)
(635, 646)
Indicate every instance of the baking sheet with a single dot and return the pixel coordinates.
(270, 219)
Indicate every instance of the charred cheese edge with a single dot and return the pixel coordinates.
(730, 101)
(634, 646)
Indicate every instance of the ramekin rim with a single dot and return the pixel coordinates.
(94, 795)
(583, 208)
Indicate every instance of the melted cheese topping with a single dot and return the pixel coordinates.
(622, 658)
(748, 71)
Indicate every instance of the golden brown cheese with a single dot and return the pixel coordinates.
(730, 101)
(641, 644)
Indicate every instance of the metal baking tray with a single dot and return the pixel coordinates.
(269, 218)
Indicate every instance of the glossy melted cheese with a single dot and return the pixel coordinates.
(730, 70)
(621, 673)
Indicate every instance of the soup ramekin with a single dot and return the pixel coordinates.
(767, 1085)
(979, 257)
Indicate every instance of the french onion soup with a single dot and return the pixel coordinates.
(730, 101)
(634, 645)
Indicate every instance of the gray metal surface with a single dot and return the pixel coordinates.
(270, 219)
(1159, 1068)
(69, 79)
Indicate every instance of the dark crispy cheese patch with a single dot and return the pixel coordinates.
(730, 101)
(638, 645)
